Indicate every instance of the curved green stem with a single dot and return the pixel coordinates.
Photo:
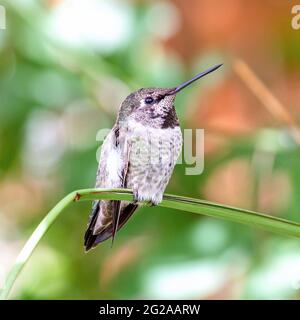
(32, 242)
(255, 219)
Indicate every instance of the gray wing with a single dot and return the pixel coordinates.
(108, 216)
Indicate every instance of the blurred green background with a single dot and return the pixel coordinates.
(65, 66)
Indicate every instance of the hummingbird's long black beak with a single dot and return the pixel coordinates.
(198, 76)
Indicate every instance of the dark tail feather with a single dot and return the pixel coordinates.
(115, 220)
(89, 237)
(91, 240)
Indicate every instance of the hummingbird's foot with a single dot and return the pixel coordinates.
(150, 200)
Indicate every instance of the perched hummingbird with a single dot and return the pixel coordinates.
(139, 153)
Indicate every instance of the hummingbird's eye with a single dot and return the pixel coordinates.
(149, 100)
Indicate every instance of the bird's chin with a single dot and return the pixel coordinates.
(170, 98)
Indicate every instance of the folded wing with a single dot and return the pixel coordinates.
(108, 216)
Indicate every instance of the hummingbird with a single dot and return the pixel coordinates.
(140, 153)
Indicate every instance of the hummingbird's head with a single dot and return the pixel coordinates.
(148, 106)
(155, 106)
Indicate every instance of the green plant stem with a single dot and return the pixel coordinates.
(255, 219)
(32, 242)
